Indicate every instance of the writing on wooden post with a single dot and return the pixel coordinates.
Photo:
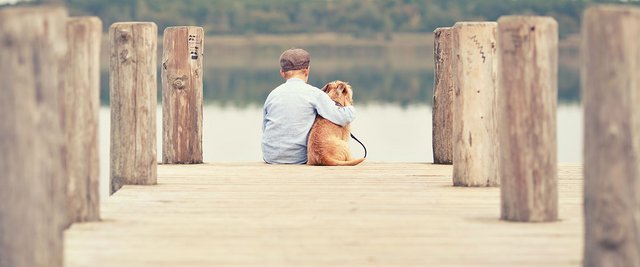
(611, 99)
(475, 137)
(133, 86)
(182, 94)
(528, 87)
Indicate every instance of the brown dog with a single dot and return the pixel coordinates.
(327, 144)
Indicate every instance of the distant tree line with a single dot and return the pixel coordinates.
(358, 17)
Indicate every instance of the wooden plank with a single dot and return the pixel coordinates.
(442, 134)
(375, 214)
(528, 92)
(81, 107)
(182, 95)
(133, 89)
(611, 84)
(32, 49)
(475, 132)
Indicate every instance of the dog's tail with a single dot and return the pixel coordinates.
(334, 162)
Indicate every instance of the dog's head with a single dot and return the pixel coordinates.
(340, 92)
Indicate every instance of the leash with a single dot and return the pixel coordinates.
(365, 148)
(353, 136)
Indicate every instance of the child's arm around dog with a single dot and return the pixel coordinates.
(328, 109)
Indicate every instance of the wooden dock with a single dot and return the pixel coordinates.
(375, 214)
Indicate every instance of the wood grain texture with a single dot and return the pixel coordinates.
(32, 49)
(475, 132)
(133, 90)
(442, 134)
(182, 91)
(373, 214)
(81, 106)
(611, 97)
(528, 90)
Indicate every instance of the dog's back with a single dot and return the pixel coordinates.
(328, 142)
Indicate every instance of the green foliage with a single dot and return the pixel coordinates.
(361, 18)
(358, 17)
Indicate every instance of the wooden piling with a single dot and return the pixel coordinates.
(133, 90)
(81, 108)
(32, 48)
(527, 101)
(475, 137)
(611, 99)
(442, 136)
(182, 95)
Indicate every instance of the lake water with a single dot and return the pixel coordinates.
(391, 132)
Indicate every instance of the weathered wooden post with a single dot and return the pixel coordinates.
(81, 92)
(611, 99)
(442, 136)
(528, 86)
(475, 136)
(182, 95)
(133, 91)
(32, 48)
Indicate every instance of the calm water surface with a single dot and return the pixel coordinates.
(392, 133)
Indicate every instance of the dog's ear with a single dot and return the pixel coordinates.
(341, 88)
(326, 88)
